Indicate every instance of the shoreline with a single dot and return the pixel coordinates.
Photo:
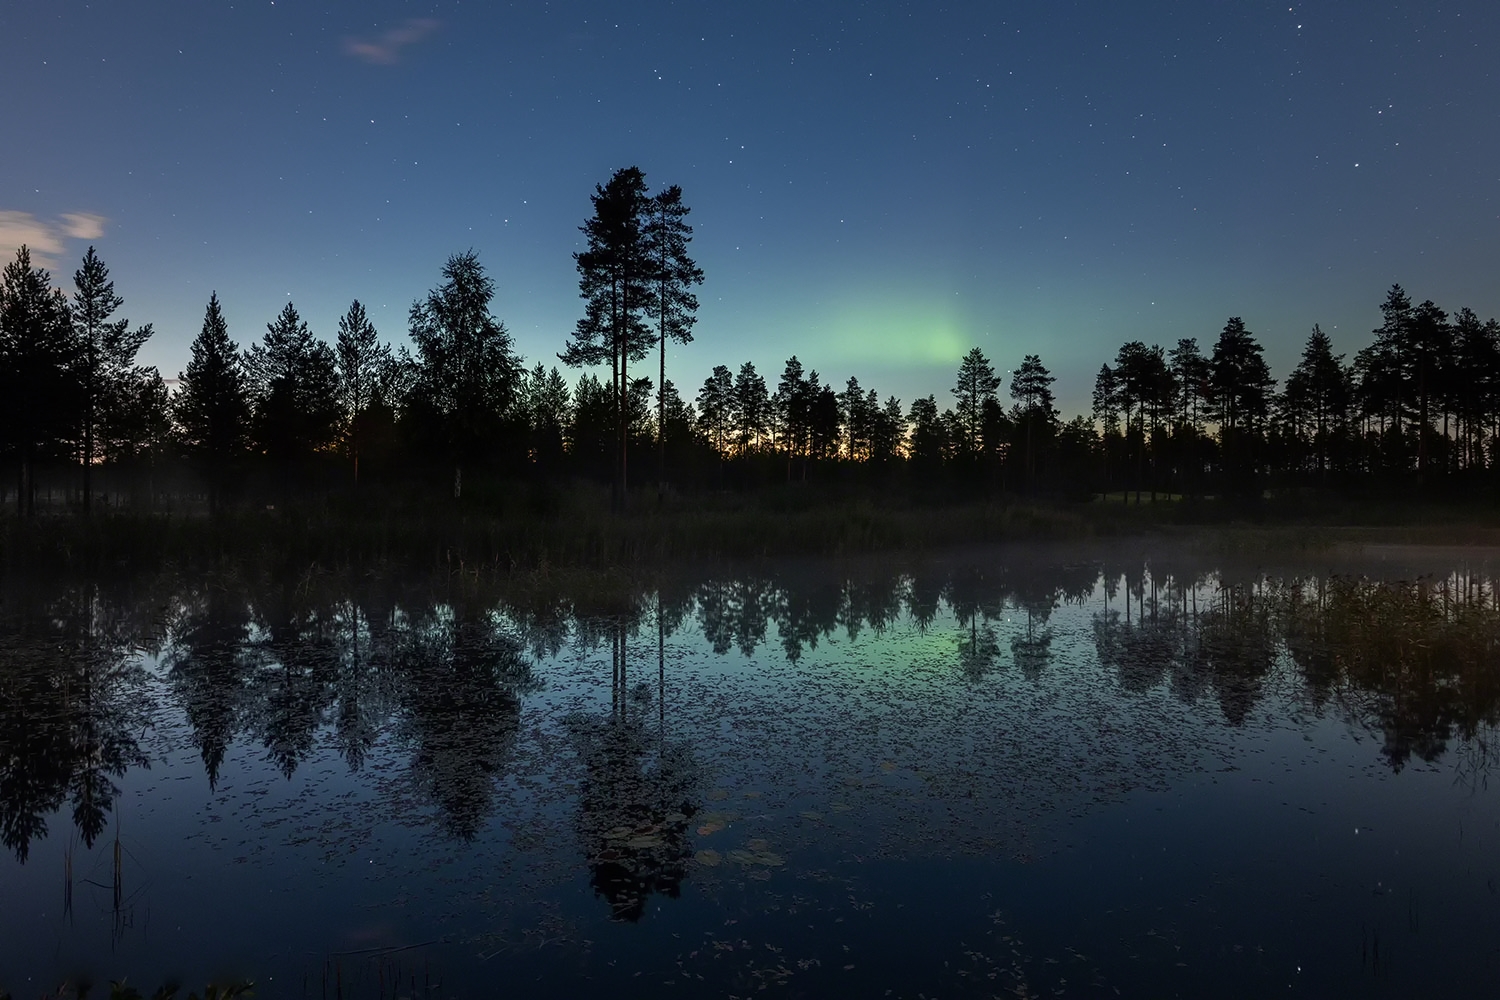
(580, 535)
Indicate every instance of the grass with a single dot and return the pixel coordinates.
(548, 529)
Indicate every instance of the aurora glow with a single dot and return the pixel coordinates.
(875, 187)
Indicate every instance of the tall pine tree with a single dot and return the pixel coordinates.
(673, 276)
(614, 280)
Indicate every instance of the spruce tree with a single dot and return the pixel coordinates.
(548, 402)
(212, 403)
(293, 379)
(37, 358)
(466, 372)
(104, 352)
(363, 366)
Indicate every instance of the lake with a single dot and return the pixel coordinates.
(1106, 771)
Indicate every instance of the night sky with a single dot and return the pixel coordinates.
(875, 187)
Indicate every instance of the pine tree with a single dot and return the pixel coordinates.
(976, 383)
(212, 405)
(466, 371)
(1031, 388)
(792, 406)
(104, 352)
(363, 366)
(1429, 339)
(823, 423)
(1241, 386)
(1133, 373)
(1190, 374)
(1382, 378)
(716, 407)
(614, 280)
(674, 275)
(889, 436)
(929, 438)
(37, 360)
(1478, 360)
(548, 405)
(294, 390)
(751, 407)
(855, 414)
(591, 435)
(1317, 396)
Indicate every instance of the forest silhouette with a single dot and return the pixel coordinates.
(292, 416)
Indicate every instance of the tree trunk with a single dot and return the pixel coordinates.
(661, 411)
(88, 465)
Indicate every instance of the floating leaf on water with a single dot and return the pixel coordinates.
(710, 828)
(644, 842)
(709, 859)
(812, 814)
(722, 818)
(753, 795)
(757, 844)
(718, 795)
(674, 817)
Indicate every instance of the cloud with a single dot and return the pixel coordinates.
(45, 239)
(386, 49)
(83, 225)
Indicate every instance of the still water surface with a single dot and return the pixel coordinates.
(1032, 772)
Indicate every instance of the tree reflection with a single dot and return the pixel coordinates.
(461, 680)
(1412, 661)
(292, 661)
(74, 700)
(333, 663)
(208, 664)
(640, 788)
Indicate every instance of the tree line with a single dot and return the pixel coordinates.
(1420, 404)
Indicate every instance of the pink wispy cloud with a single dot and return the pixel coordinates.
(46, 239)
(385, 50)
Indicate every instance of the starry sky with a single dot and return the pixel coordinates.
(876, 187)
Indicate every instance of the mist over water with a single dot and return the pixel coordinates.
(1028, 771)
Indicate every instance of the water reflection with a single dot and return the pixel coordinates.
(443, 673)
(71, 706)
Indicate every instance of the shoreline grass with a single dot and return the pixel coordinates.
(574, 530)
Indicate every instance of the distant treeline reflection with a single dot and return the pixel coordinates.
(294, 665)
